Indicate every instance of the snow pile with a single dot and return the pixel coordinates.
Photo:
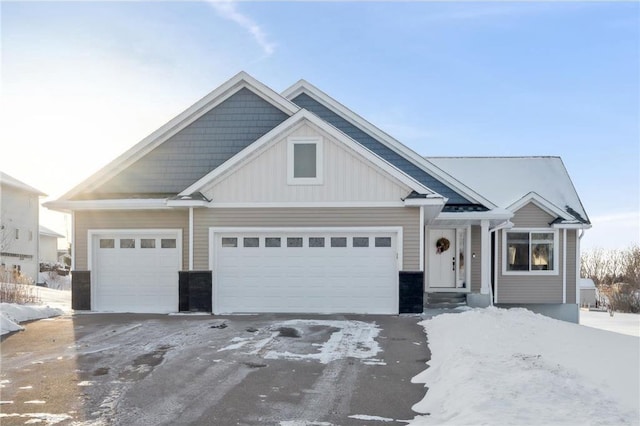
(55, 281)
(512, 366)
(56, 302)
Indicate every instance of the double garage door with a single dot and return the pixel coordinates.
(254, 270)
(135, 271)
(315, 271)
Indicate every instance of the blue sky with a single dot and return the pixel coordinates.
(85, 81)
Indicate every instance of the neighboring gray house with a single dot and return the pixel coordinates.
(19, 216)
(258, 201)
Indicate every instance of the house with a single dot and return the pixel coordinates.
(19, 216)
(587, 292)
(258, 201)
(49, 245)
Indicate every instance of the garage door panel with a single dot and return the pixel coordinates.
(310, 278)
(139, 274)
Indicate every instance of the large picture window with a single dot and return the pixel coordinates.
(530, 251)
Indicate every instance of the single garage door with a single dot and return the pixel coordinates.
(315, 271)
(135, 271)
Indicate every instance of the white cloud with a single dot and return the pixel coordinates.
(227, 9)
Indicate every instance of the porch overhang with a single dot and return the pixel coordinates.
(494, 217)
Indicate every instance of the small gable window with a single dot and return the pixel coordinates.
(304, 161)
(530, 252)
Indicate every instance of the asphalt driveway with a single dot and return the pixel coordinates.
(123, 369)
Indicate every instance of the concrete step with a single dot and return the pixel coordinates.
(448, 297)
(444, 305)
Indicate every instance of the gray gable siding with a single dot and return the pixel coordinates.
(305, 101)
(197, 149)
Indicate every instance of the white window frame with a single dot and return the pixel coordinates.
(556, 248)
(291, 142)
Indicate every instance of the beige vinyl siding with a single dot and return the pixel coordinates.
(533, 288)
(475, 262)
(531, 216)
(407, 218)
(347, 177)
(128, 219)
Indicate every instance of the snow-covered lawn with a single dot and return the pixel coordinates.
(54, 303)
(619, 322)
(497, 366)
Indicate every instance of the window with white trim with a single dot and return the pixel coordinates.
(530, 251)
(304, 161)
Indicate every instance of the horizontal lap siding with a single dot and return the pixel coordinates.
(531, 288)
(132, 219)
(407, 218)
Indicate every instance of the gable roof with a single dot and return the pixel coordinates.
(5, 179)
(44, 231)
(511, 182)
(152, 155)
(310, 97)
(305, 115)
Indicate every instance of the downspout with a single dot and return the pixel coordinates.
(578, 265)
(507, 224)
(191, 238)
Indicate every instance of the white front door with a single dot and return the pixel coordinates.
(441, 258)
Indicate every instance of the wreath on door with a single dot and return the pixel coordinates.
(442, 245)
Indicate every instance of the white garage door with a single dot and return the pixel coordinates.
(312, 271)
(135, 271)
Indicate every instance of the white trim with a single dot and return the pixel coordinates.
(542, 203)
(571, 226)
(577, 283)
(485, 258)
(187, 203)
(422, 240)
(73, 241)
(124, 204)
(178, 123)
(286, 205)
(303, 86)
(564, 266)
(494, 214)
(261, 229)
(292, 141)
(191, 238)
(429, 201)
(91, 233)
(496, 251)
(296, 119)
(556, 247)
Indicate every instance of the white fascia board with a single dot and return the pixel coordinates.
(547, 206)
(494, 214)
(182, 120)
(187, 203)
(303, 86)
(119, 204)
(571, 226)
(325, 127)
(429, 201)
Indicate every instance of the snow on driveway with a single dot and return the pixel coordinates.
(512, 366)
(618, 322)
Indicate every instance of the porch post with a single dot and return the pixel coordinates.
(485, 257)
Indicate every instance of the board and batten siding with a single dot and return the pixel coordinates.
(406, 217)
(538, 288)
(128, 219)
(347, 177)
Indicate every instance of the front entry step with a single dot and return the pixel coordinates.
(445, 300)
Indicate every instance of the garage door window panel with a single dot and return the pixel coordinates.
(168, 243)
(148, 243)
(383, 241)
(251, 242)
(294, 242)
(229, 242)
(272, 242)
(360, 241)
(107, 243)
(127, 243)
(316, 242)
